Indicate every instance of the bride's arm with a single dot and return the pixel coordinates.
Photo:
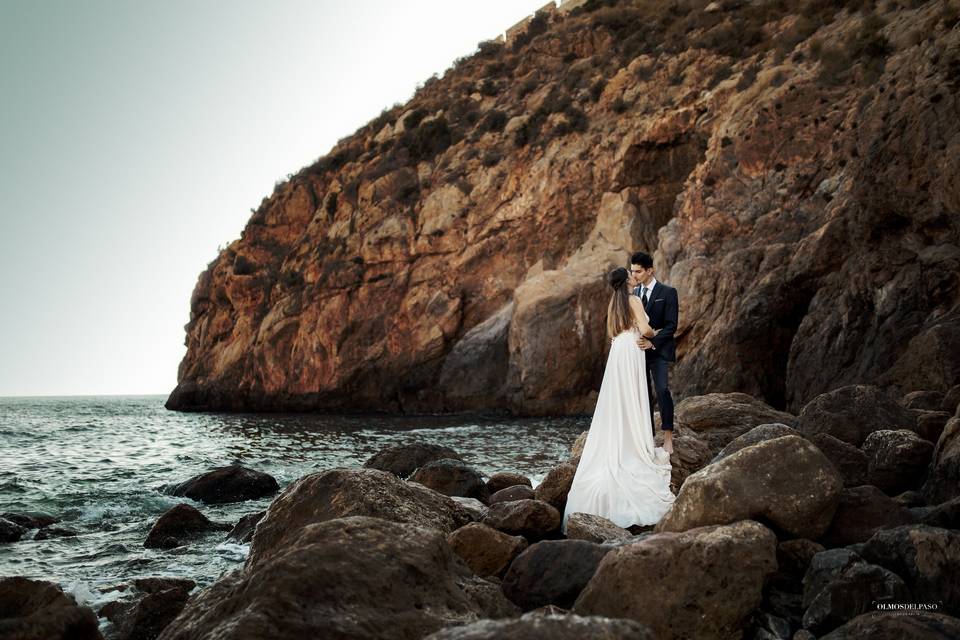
(641, 317)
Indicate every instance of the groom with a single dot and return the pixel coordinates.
(662, 305)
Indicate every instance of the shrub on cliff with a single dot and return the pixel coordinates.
(494, 121)
(427, 140)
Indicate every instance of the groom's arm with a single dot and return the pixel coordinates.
(671, 317)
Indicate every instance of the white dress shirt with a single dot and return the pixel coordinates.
(649, 289)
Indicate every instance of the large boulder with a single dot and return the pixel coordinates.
(555, 486)
(233, 483)
(337, 493)
(798, 498)
(504, 479)
(718, 418)
(893, 625)
(242, 532)
(536, 626)
(402, 460)
(757, 434)
(852, 413)
(690, 454)
(532, 519)
(927, 558)
(943, 480)
(348, 578)
(452, 478)
(849, 460)
(594, 528)
(552, 572)
(486, 551)
(703, 583)
(848, 591)
(863, 511)
(897, 459)
(177, 525)
(516, 492)
(147, 608)
(930, 424)
(40, 610)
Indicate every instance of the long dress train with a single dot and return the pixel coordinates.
(622, 476)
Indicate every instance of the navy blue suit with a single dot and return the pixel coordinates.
(663, 307)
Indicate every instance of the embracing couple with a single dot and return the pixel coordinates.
(622, 475)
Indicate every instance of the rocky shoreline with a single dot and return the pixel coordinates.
(839, 522)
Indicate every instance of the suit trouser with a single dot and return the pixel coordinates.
(657, 378)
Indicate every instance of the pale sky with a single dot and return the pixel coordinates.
(135, 137)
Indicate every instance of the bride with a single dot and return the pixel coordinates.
(622, 476)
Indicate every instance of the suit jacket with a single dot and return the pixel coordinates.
(663, 307)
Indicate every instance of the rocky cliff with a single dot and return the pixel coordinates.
(794, 167)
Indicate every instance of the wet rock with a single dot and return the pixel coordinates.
(10, 531)
(794, 556)
(503, 480)
(452, 478)
(30, 519)
(486, 551)
(716, 576)
(552, 572)
(757, 434)
(849, 460)
(945, 515)
(337, 493)
(234, 483)
(176, 526)
(475, 509)
(923, 400)
(897, 459)
(532, 519)
(359, 577)
(922, 625)
(242, 532)
(863, 511)
(531, 626)
(55, 532)
(576, 450)
(930, 424)
(148, 608)
(927, 558)
(40, 610)
(403, 460)
(555, 486)
(754, 483)
(516, 492)
(718, 418)
(853, 591)
(593, 528)
(852, 413)
(943, 480)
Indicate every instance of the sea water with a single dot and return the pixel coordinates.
(99, 464)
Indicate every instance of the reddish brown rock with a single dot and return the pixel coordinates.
(716, 576)
(403, 460)
(233, 483)
(897, 459)
(852, 413)
(807, 218)
(36, 609)
(593, 528)
(147, 608)
(486, 551)
(516, 492)
(798, 499)
(358, 577)
(552, 572)
(555, 486)
(719, 418)
(503, 480)
(532, 519)
(850, 461)
(861, 512)
(338, 493)
(943, 479)
(177, 525)
(452, 478)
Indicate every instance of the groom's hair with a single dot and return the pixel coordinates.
(642, 259)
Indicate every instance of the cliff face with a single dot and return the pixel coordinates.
(794, 169)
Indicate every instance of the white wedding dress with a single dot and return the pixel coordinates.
(622, 476)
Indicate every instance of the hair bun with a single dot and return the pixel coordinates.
(618, 278)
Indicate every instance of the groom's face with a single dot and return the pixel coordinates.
(639, 275)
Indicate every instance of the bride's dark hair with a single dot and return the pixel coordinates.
(619, 316)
